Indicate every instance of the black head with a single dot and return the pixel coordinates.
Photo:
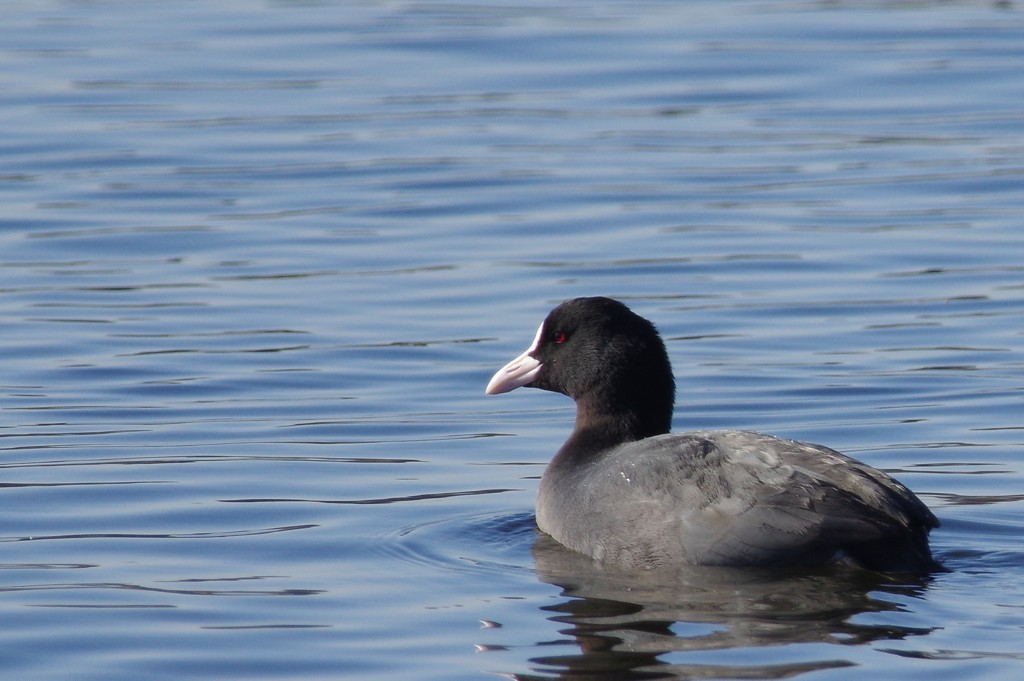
(604, 356)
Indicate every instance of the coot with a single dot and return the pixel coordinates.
(625, 491)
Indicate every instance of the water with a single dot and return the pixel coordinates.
(258, 260)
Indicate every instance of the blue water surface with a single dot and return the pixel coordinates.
(258, 260)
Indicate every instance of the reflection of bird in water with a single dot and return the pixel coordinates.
(625, 621)
(626, 492)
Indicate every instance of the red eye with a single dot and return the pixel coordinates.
(561, 337)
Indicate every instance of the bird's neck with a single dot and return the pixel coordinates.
(597, 427)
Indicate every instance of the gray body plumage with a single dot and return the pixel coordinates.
(731, 498)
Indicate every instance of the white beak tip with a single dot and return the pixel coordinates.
(517, 373)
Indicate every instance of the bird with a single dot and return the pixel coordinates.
(629, 493)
